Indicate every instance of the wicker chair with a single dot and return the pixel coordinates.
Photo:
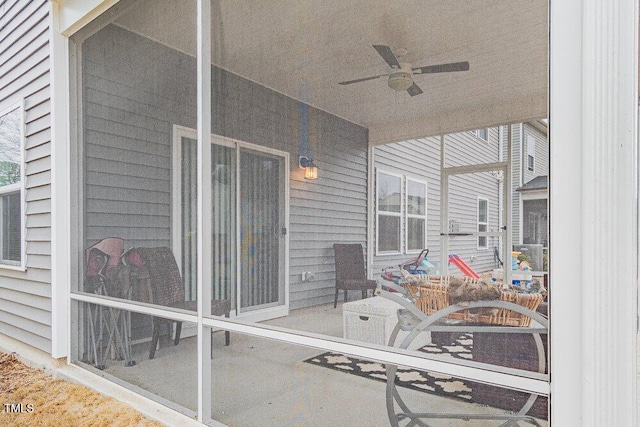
(351, 274)
(167, 290)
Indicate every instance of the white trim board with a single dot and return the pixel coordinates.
(593, 213)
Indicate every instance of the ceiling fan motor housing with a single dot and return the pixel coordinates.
(401, 79)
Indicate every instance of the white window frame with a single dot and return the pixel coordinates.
(415, 216)
(478, 132)
(531, 154)
(399, 215)
(17, 188)
(479, 223)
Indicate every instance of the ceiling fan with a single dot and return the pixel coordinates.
(400, 77)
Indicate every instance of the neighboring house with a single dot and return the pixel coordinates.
(474, 199)
(534, 196)
(115, 101)
(531, 154)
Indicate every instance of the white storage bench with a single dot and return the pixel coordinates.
(372, 320)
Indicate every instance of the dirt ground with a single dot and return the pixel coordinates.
(30, 397)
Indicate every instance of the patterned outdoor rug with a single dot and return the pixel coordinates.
(442, 385)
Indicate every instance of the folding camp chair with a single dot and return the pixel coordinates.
(108, 327)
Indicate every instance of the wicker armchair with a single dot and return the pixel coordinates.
(167, 289)
(351, 274)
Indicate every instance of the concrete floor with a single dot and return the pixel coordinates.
(258, 382)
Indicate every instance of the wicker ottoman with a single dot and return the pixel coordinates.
(513, 351)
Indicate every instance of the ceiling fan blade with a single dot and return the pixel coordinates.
(364, 79)
(387, 55)
(442, 68)
(414, 90)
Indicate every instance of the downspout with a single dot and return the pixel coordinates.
(501, 206)
(370, 209)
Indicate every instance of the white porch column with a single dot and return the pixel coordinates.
(593, 200)
(60, 187)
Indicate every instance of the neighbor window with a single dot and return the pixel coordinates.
(531, 153)
(416, 202)
(11, 186)
(483, 221)
(389, 212)
(483, 134)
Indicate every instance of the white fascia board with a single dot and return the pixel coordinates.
(534, 195)
(75, 14)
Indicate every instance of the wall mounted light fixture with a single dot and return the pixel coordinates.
(310, 170)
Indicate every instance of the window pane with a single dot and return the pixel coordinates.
(146, 354)
(10, 148)
(139, 103)
(415, 233)
(290, 384)
(223, 193)
(388, 233)
(483, 134)
(11, 236)
(416, 202)
(482, 240)
(482, 211)
(389, 193)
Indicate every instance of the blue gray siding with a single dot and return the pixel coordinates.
(541, 164)
(25, 296)
(135, 90)
(420, 159)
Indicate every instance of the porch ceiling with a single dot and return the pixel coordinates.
(304, 48)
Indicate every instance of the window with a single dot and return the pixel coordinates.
(483, 134)
(416, 203)
(11, 186)
(483, 221)
(389, 212)
(531, 153)
(401, 205)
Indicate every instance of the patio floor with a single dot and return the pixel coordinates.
(259, 382)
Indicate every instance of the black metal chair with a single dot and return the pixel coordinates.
(167, 289)
(351, 274)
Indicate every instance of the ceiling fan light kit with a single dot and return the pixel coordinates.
(400, 80)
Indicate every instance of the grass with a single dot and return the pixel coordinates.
(48, 401)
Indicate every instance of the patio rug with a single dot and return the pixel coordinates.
(439, 384)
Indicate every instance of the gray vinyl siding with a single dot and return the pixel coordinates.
(25, 296)
(541, 156)
(135, 93)
(420, 159)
